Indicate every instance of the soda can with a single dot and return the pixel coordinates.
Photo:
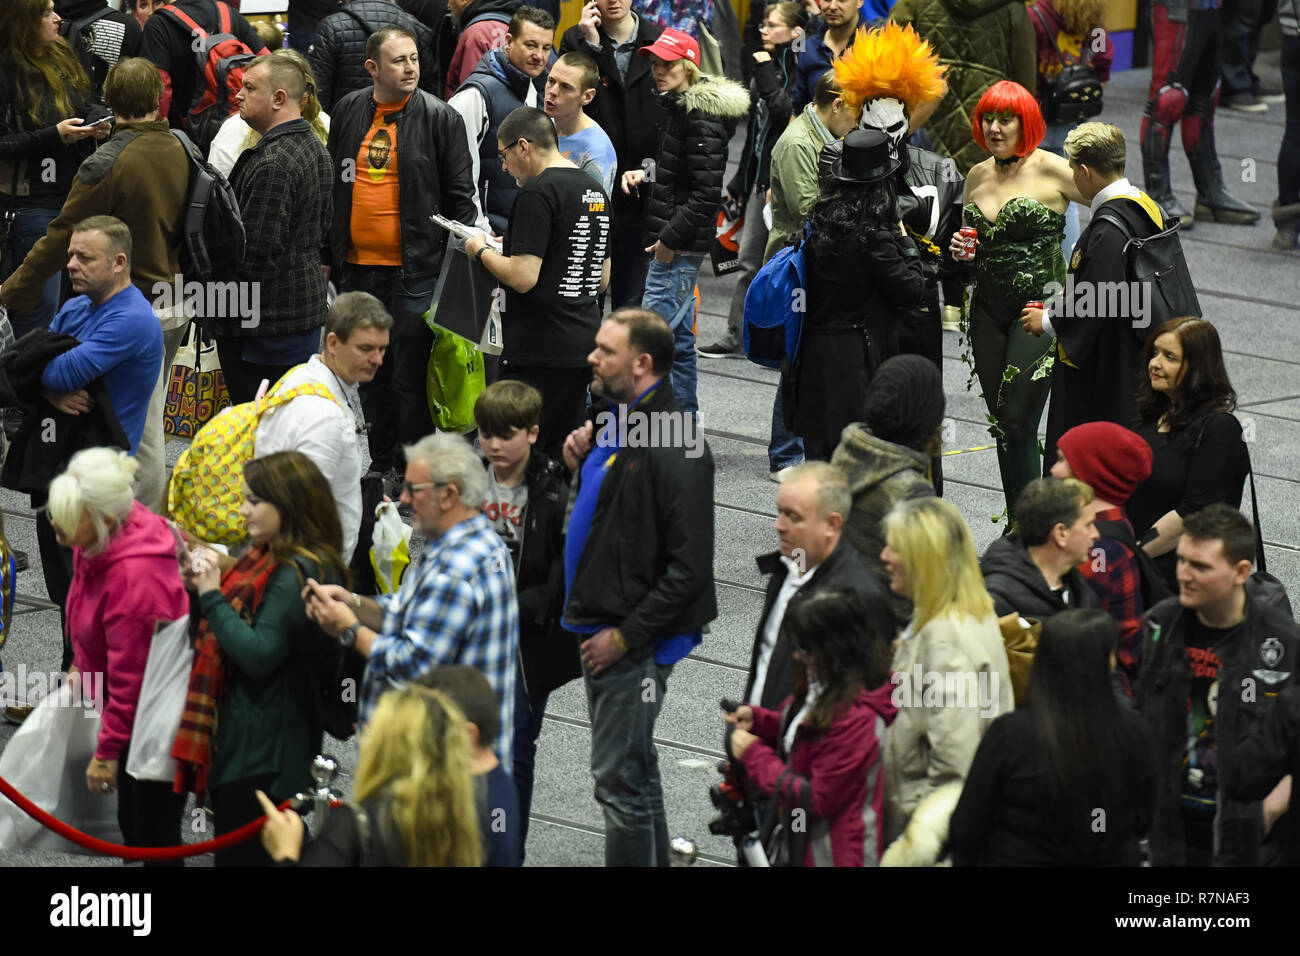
(1034, 305)
(969, 235)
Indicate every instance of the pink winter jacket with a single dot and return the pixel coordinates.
(115, 599)
(842, 765)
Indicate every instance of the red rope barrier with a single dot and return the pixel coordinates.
(119, 849)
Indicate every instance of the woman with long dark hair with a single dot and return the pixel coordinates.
(822, 751)
(863, 274)
(259, 658)
(1070, 779)
(1198, 456)
(43, 134)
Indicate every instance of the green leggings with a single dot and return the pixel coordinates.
(997, 346)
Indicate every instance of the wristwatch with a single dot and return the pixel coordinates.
(348, 636)
(479, 255)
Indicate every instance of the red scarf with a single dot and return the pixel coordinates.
(242, 586)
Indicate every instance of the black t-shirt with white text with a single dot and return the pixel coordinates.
(561, 216)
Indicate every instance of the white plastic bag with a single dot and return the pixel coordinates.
(390, 552)
(46, 761)
(162, 702)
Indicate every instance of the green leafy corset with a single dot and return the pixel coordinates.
(1018, 255)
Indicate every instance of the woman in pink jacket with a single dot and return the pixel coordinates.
(819, 757)
(125, 580)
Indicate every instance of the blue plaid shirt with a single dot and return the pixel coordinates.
(456, 605)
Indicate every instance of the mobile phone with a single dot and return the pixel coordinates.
(100, 121)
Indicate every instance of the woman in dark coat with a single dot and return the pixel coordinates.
(1198, 455)
(863, 274)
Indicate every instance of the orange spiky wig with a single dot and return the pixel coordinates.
(890, 61)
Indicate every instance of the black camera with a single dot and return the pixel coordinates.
(736, 816)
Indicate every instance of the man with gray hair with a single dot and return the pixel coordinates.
(331, 431)
(456, 603)
(811, 506)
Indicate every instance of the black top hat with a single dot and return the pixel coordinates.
(866, 157)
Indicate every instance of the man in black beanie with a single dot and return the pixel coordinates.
(888, 457)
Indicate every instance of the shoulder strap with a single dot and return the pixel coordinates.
(279, 397)
(223, 12)
(1038, 15)
(1119, 531)
(190, 148)
(186, 19)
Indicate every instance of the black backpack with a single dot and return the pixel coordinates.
(1151, 583)
(1157, 262)
(341, 691)
(1074, 94)
(212, 247)
(79, 37)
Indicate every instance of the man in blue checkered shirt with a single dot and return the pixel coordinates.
(456, 603)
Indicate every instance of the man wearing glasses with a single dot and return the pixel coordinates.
(554, 262)
(456, 603)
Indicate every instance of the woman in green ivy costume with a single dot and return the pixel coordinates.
(1016, 199)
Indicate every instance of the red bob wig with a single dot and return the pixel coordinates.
(1006, 96)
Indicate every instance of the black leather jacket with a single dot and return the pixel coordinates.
(647, 564)
(338, 54)
(1257, 664)
(435, 175)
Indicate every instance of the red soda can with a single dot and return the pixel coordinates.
(969, 235)
(1034, 305)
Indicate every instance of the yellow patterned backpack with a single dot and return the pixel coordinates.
(204, 495)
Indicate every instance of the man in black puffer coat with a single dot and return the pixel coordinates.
(685, 182)
(1033, 573)
(338, 56)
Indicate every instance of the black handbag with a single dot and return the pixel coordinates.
(1074, 94)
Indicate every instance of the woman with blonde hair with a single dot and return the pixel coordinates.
(235, 135)
(413, 803)
(124, 582)
(949, 670)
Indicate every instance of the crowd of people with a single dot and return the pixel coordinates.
(907, 700)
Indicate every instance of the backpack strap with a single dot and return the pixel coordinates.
(186, 19)
(223, 12)
(278, 397)
(1254, 495)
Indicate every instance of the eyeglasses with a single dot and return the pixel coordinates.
(501, 153)
(411, 489)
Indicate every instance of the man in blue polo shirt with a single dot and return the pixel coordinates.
(638, 568)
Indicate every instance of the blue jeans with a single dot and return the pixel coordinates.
(29, 228)
(1054, 141)
(784, 448)
(528, 727)
(396, 403)
(670, 291)
(623, 703)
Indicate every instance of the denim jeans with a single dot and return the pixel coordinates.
(396, 403)
(29, 228)
(528, 727)
(670, 291)
(623, 703)
(1054, 142)
(784, 448)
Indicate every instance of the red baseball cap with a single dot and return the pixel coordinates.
(673, 45)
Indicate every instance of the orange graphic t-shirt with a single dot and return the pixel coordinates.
(375, 232)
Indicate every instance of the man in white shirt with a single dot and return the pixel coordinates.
(332, 432)
(810, 509)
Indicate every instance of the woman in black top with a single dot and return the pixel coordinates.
(1069, 780)
(1198, 456)
(863, 274)
(43, 117)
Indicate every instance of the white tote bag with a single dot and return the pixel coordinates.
(162, 702)
(46, 761)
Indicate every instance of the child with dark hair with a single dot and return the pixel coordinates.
(526, 497)
(821, 753)
(494, 792)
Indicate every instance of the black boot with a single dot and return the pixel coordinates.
(1155, 168)
(1213, 201)
(1287, 220)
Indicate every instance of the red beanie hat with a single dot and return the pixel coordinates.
(1109, 458)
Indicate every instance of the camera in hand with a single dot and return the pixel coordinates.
(736, 816)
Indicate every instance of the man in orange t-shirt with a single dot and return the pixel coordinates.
(402, 157)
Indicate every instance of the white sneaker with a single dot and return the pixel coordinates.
(782, 474)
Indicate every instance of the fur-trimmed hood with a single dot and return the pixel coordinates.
(926, 837)
(715, 96)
